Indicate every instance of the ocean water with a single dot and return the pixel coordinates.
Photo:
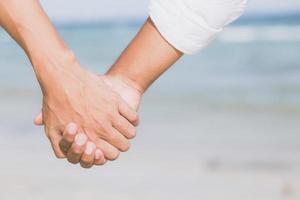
(221, 124)
(246, 66)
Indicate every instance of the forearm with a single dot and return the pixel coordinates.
(145, 59)
(28, 24)
(180, 26)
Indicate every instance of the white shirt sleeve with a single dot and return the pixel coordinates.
(190, 25)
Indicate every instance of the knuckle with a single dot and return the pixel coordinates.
(48, 134)
(113, 110)
(111, 136)
(97, 121)
(51, 134)
(104, 129)
(113, 114)
(125, 126)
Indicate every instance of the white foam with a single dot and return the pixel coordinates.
(248, 34)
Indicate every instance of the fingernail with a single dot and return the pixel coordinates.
(80, 139)
(72, 128)
(98, 154)
(90, 146)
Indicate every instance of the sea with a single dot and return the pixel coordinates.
(254, 62)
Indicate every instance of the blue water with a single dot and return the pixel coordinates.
(253, 65)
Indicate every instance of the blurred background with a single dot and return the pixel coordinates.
(222, 124)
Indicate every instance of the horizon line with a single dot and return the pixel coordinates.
(256, 19)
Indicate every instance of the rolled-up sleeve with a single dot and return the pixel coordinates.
(190, 25)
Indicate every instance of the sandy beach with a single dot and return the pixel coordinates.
(183, 151)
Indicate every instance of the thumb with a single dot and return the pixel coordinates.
(38, 121)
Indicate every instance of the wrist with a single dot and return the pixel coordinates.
(51, 68)
(125, 87)
(126, 80)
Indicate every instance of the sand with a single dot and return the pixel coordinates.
(184, 150)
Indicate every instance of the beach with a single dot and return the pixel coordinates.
(223, 124)
(182, 151)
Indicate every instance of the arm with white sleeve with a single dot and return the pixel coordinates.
(190, 25)
(175, 27)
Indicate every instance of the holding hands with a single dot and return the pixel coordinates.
(88, 118)
(91, 118)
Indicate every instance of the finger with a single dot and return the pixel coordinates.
(110, 152)
(54, 138)
(38, 121)
(99, 157)
(129, 113)
(115, 138)
(68, 137)
(75, 152)
(125, 127)
(87, 158)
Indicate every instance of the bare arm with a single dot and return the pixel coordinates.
(28, 24)
(147, 57)
(70, 93)
(175, 27)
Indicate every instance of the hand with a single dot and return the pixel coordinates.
(128, 92)
(89, 101)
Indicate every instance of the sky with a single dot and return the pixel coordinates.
(74, 10)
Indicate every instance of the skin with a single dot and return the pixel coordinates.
(147, 57)
(70, 93)
(131, 95)
(96, 105)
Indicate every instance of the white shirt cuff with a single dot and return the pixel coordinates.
(191, 29)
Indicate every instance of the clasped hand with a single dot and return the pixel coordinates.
(88, 118)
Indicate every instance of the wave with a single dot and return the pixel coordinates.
(247, 34)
